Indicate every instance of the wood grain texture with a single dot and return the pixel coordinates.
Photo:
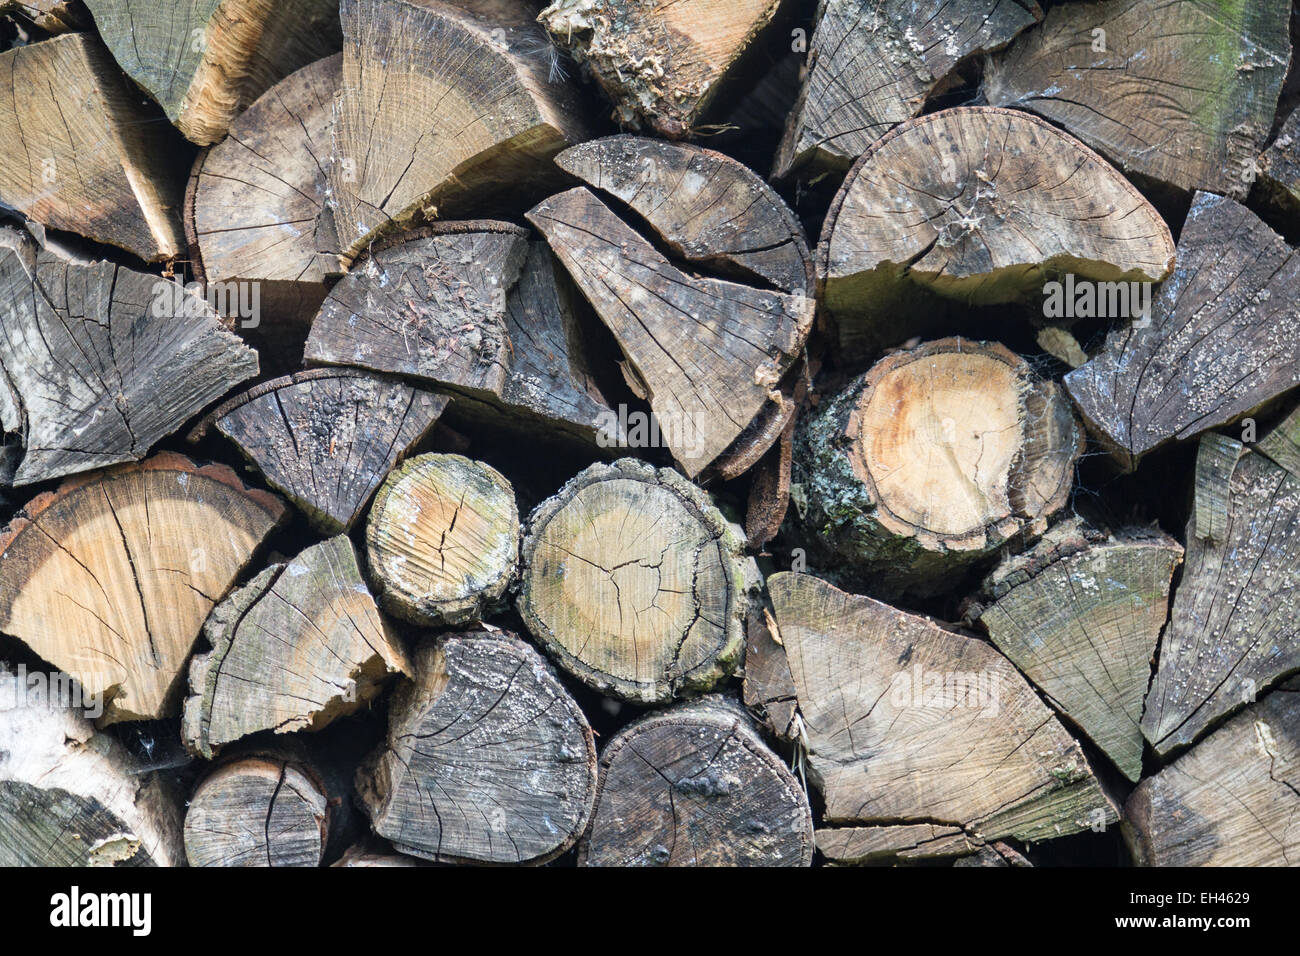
(1278, 173)
(893, 844)
(52, 16)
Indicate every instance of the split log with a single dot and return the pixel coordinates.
(1223, 338)
(896, 843)
(205, 62)
(1282, 444)
(70, 796)
(1080, 616)
(635, 582)
(769, 690)
(298, 646)
(1278, 172)
(254, 204)
(659, 63)
(708, 353)
(1232, 629)
(328, 438)
(980, 205)
(111, 576)
(872, 64)
(995, 854)
(99, 361)
(365, 855)
(52, 16)
(1231, 800)
(442, 540)
(78, 152)
(910, 723)
(488, 758)
(931, 461)
(1133, 80)
(696, 786)
(436, 108)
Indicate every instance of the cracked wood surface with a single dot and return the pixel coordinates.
(1180, 91)
(931, 461)
(1223, 338)
(894, 843)
(488, 759)
(1080, 615)
(871, 64)
(327, 438)
(297, 647)
(635, 582)
(710, 352)
(204, 61)
(1233, 800)
(98, 362)
(110, 577)
(70, 796)
(78, 152)
(910, 723)
(442, 540)
(695, 785)
(1233, 628)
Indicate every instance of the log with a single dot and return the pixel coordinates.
(327, 438)
(111, 576)
(365, 855)
(1231, 800)
(1231, 632)
(768, 689)
(438, 108)
(98, 362)
(1282, 444)
(1080, 615)
(488, 759)
(1133, 81)
(708, 353)
(930, 462)
(297, 647)
(70, 796)
(872, 65)
(1278, 172)
(995, 854)
(206, 62)
(635, 583)
(98, 169)
(52, 16)
(442, 540)
(694, 785)
(660, 64)
(983, 206)
(1223, 338)
(895, 843)
(910, 723)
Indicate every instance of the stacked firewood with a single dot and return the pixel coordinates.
(428, 433)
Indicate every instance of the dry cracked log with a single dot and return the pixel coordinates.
(70, 796)
(298, 646)
(768, 690)
(979, 205)
(910, 723)
(895, 843)
(442, 540)
(695, 785)
(77, 151)
(206, 61)
(435, 106)
(1223, 337)
(1080, 616)
(1278, 172)
(328, 438)
(110, 577)
(872, 65)
(1231, 800)
(1232, 629)
(636, 583)
(98, 362)
(661, 64)
(1133, 80)
(52, 16)
(929, 462)
(488, 758)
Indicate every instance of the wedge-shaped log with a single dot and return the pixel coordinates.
(695, 785)
(1134, 80)
(78, 152)
(908, 722)
(488, 758)
(1223, 338)
(1080, 615)
(871, 64)
(111, 576)
(298, 646)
